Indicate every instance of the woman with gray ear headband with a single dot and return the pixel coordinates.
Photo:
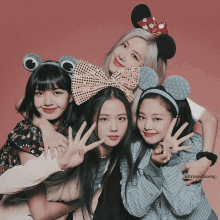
(163, 141)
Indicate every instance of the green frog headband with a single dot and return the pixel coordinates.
(32, 61)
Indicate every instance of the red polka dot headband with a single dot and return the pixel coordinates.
(141, 18)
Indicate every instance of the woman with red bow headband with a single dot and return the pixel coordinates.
(150, 45)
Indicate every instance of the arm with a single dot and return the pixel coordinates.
(141, 191)
(22, 177)
(48, 210)
(209, 127)
(182, 199)
(51, 138)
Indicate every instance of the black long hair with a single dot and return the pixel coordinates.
(185, 115)
(45, 77)
(89, 167)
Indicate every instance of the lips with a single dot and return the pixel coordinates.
(116, 63)
(113, 137)
(49, 110)
(149, 134)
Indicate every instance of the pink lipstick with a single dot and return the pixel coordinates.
(116, 63)
(113, 137)
(49, 110)
(149, 134)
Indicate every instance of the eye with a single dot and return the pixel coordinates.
(135, 57)
(122, 118)
(39, 93)
(103, 119)
(124, 45)
(157, 119)
(140, 117)
(58, 92)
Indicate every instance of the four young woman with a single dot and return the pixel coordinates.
(110, 109)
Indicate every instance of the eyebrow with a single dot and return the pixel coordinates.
(152, 114)
(117, 115)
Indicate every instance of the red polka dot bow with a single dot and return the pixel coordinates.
(88, 80)
(150, 25)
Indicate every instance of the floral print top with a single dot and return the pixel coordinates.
(24, 136)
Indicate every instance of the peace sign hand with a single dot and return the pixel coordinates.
(74, 155)
(172, 141)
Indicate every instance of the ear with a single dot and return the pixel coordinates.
(138, 13)
(70, 98)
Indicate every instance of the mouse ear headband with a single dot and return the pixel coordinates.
(176, 88)
(88, 80)
(31, 61)
(141, 18)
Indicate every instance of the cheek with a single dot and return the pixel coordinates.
(37, 102)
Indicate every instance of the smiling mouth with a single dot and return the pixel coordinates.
(113, 137)
(116, 63)
(149, 134)
(49, 110)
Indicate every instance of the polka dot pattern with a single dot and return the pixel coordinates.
(148, 78)
(178, 87)
(88, 80)
(150, 25)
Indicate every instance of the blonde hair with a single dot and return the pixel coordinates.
(151, 57)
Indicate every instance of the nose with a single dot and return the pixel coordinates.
(113, 125)
(148, 125)
(122, 56)
(48, 99)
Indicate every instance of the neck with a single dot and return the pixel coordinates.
(104, 150)
(55, 123)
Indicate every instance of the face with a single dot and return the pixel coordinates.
(51, 104)
(112, 124)
(153, 121)
(128, 55)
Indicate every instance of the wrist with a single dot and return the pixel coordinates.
(208, 155)
(205, 161)
(157, 165)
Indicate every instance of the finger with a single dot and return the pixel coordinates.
(158, 151)
(184, 148)
(52, 152)
(184, 167)
(93, 145)
(180, 130)
(79, 133)
(60, 151)
(45, 151)
(185, 138)
(185, 177)
(63, 138)
(170, 130)
(64, 145)
(188, 182)
(87, 134)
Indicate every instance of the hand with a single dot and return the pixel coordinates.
(196, 168)
(74, 155)
(160, 155)
(172, 141)
(52, 139)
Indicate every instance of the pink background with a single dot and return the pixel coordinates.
(87, 29)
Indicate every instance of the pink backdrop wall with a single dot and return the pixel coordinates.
(87, 30)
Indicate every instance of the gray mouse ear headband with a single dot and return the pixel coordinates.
(176, 88)
(31, 61)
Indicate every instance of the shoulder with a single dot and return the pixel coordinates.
(135, 149)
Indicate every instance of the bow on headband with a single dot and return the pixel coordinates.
(150, 25)
(88, 80)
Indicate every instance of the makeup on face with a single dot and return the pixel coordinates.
(51, 104)
(112, 124)
(153, 120)
(128, 55)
